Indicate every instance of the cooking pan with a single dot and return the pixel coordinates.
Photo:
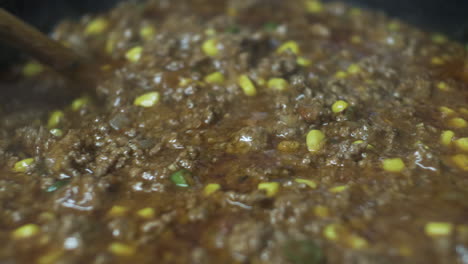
(447, 16)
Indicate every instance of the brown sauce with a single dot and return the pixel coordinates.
(216, 163)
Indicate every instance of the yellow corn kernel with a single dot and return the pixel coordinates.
(211, 188)
(341, 75)
(461, 160)
(437, 61)
(457, 122)
(331, 232)
(321, 211)
(79, 103)
(338, 189)
(134, 54)
(25, 231)
(369, 146)
(438, 229)
(355, 39)
(96, 26)
(23, 165)
(147, 100)
(439, 38)
(462, 144)
(215, 78)
(303, 61)
(32, 69)
(315, 140)
(247, 86)
(210, 47)
(393, 165)
(184, 81)
(55, 119)
(292, 46)
(146, 213)
(446, 111)
(288, 146)
(339, 106)
(121, 249)
(314, 6)
(443, 86)
(50, 258)
(117, 210)
(147, 32)
(354, 69)
(446, 137)
(57, 132)
(356, 242)
(309, 183)
(271, 188)
(278, 84)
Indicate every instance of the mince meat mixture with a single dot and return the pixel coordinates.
(239, 131)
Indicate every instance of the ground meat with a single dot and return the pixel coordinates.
(227, 131)
(247, 239)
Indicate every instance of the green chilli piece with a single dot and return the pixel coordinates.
(233, 29)
(179, 178)
(57, 185)
(304, 252)
(270, 26)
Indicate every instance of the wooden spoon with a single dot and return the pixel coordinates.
(18, 34)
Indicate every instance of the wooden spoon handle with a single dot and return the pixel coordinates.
(18, 34)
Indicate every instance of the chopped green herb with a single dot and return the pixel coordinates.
(304, 252)
(270, 26)
(179, 178)
(57, 185)
(233, 29)
(351, 112)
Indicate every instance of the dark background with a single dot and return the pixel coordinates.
(448, 16)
